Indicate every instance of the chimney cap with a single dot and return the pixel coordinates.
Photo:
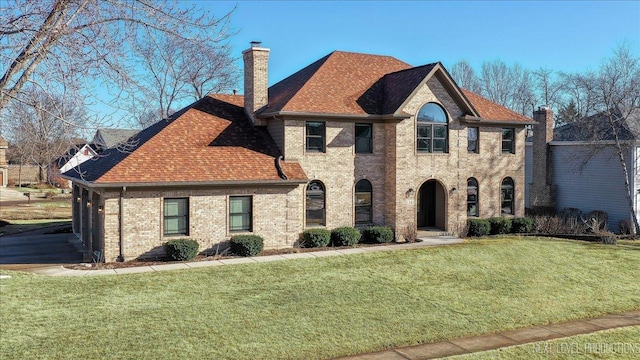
(543, 108)
(256, 44)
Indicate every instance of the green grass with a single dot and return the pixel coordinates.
(622, 343)
(317, 308)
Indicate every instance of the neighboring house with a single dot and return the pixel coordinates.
(350, 140)
(577, 166)
(72, 158)
(112, 138)
(4, 169)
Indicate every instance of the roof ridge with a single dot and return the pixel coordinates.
(414, 67)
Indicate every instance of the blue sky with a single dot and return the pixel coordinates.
(569, 36)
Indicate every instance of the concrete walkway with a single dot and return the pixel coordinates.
(503, 339)
(59, 270)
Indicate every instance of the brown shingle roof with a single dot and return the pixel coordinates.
(363, 84)
(491, 111)
(211, 140)
(332, 85)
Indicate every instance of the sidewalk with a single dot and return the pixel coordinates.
(503, 339)
(59, 270)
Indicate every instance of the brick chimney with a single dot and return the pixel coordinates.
(542, 190)
(256, 88)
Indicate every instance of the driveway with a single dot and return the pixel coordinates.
(35, 249)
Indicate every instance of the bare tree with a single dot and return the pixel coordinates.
(496, 81)
(464, 75)
(613, 95)
(509, 86)
(77, 43)
(617, 91)
(580, 89)
(178, 69)
(547, 86)
(37, 131)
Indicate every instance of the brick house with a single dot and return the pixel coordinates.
(350, 140)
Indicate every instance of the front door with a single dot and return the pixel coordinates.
(427, 205)
(431, 205)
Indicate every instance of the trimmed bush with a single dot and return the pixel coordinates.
(378, 234)
(478, 227)
(181, 249)
(500, 225)
(521, 225)
(246, 245)
(345, 236)
(316, 238)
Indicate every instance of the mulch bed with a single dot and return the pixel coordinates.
(151, 262)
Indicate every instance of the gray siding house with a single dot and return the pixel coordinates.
(581, 169)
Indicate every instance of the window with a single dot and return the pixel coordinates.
(176, 216)
(364, 213)
(240, 213)
(315, 136)
(507, 196)
(364, 143)
(472, 140)
(432, 132)
(315, 203)
(508, 141)
(472, 197)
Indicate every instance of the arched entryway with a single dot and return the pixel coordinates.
(432, 205)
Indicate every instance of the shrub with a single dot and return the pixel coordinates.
(521, 225)
(378, 234)
(246, 245)
(181, 249)
(626, 227)
(316, 238)
(345, 236)
(596, 221)
(569, 212)
(608, 238)
(500, 225)
(410, 233)
(478, 227)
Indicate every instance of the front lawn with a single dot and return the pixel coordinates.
(317, 308)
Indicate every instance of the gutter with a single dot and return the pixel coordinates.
(477, 120)
(221, 183)
(592, 142)
(395, 117)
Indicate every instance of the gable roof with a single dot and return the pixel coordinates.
(108, 138)
(354, 84)
(209, 141)
(597, 128)
(62, 160)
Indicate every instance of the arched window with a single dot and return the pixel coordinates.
(507, 193)
(432, 130)
(364, 210)
(315, 203)
(472, 197)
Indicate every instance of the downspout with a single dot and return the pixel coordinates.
(281, 173)
(121, 238)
